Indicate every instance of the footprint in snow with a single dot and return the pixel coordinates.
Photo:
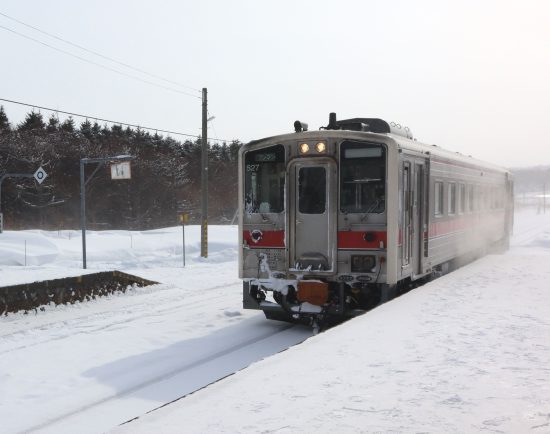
(496, 421)
(232, 313)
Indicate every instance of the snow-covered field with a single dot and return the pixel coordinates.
(468, 352)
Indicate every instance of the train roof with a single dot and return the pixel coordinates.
(437, 151)
(377, 129)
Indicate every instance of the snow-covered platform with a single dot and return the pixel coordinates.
(468, 352)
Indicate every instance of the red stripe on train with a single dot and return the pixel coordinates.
(273, 239)
(465, 222)
(358, 240)
(346, 239)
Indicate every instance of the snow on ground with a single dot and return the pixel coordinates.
(50, 255)
(91, 366)
(466, 353)
(13, 249)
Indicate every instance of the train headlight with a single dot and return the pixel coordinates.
(304, 148)
(321, 147)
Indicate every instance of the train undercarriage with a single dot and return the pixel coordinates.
(316, 303)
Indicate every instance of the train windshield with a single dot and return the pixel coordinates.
(264, 180)
(362, 177)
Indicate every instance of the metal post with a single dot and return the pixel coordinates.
(83, 211)
(204, 176)
(544, 198)
(183, 232)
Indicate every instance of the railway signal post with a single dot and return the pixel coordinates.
(120, 169)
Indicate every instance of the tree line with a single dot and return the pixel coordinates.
(166, 176)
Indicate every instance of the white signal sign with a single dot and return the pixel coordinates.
(40, 175)
(121, 170)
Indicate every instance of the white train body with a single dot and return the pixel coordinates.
(333, 222)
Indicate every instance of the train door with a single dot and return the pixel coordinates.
(414, 217)
(420, 216)
(312, 215)
(407, 226)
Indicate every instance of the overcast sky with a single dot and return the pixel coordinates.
(470, 76)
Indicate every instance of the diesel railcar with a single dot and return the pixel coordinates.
(336, 221)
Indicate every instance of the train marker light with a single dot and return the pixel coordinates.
(300, 126)
(304, 148)
(321, 147)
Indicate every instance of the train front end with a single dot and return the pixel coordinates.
(313, 224)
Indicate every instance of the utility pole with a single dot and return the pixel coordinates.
(83, 210)
(204, 176)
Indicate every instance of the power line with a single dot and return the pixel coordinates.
(95, 118)
(95, 53)
(97, 64)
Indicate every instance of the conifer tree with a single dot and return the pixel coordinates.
(33, 121)
(53, 124)
(96, 129)
(116, 130)
(4, 123)
(68, 125)
(86, 129)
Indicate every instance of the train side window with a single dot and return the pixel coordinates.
(452, 198)
(438, 198)
(461, 198)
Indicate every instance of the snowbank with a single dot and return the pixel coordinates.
(26, 248)
(56, 254)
